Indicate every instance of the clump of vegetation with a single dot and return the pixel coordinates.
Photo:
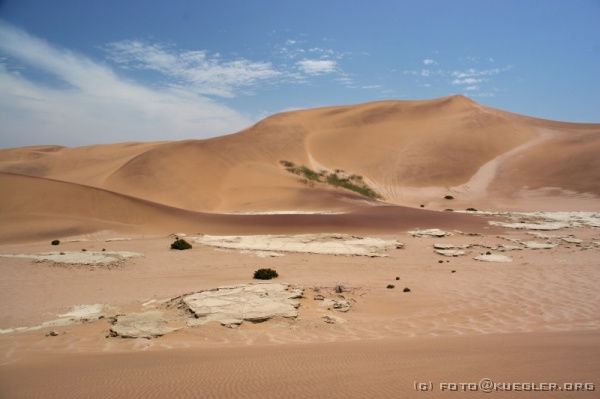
(471, 210)
(397, 278)
(448, 197)
(181, 244)
(265, 274)
(406, 289)
(55, 242)
(390, 286)
(338, 178)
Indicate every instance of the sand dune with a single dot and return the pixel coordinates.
(40, 208)
(411, 152)
(405, 312)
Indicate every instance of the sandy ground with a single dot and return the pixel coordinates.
(534, 319)
(405, 320)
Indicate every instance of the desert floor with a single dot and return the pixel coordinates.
(533, 320)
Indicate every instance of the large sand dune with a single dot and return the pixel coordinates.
(410, 152)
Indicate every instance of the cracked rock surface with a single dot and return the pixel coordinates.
(250, 302)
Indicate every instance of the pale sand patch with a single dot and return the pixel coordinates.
(78, 258)
(78, 313)
(263, 254)
(325, 244)
(493, 258)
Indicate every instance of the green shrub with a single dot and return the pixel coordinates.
(181, 244)
(265, 274)
(406, 289)
(390, 286)
(55, 242)
(354, 182)
(287, 164)
(449, 197)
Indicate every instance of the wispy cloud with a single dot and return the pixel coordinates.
(469, 79)
(94, 103)
(317, 67)
(205, 73)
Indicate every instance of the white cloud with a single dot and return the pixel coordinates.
(429, 61)
(317, 67)
(467, 81)
(206, 74)
(472, 72)
(472, 88)
(371, 87)
(97, 105)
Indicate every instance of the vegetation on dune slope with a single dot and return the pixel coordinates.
(338, 178)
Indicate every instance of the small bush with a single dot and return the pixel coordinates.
(471, 210)
(265, 274)
(406, 289)
(390, 286)
(55, 242)
(181, 244)
(448, 197)
(287, 164)
(397, 278)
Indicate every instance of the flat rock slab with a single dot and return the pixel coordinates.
(532, 226)
(325, 244)
(449, 252)
(503, 247)
(493, 258)
(429, 233)
(249, 302)
(78, 257)
(572, 240)
(538, 245)
(149, 324)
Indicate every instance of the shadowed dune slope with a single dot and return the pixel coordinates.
(422, 148)
(39, 208)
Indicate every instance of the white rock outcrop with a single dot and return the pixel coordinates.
(248, 302)
(325, 244)
(538, 245)
(150, 324)
(79, 257)
(429, 233)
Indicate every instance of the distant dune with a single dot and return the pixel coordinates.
(410, 152)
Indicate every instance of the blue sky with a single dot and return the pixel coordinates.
(79, 72)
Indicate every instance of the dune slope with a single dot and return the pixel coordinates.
(410, 152)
